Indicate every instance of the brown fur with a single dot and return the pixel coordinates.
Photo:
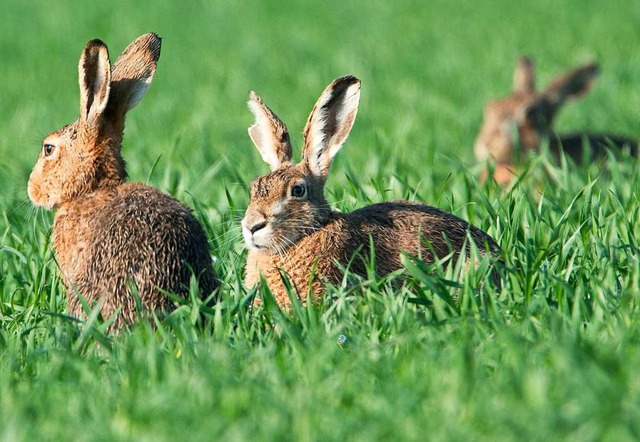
(109, 236)
(297, 234)
(521, 122)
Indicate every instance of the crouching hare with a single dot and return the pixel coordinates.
(115, 241)
(520, 123)
(289, 226)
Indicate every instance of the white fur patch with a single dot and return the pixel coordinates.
(278, 208)
(258, 240)
(261, 135)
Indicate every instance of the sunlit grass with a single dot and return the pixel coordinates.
(425, 354)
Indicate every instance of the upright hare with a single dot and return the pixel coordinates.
(112, 237)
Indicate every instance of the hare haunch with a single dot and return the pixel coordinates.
(290, 227)
(521, 122)
(112, 237)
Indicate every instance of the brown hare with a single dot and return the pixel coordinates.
(115, 241)
(289, 225)
(522, 122)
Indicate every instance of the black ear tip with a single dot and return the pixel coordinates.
(155, 45)
(93, 49)
(348, 80)
(150, 43)
(341, 84)
(96, 43)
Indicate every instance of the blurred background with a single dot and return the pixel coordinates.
(427, 67)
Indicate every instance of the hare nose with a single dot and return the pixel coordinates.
(257, 226)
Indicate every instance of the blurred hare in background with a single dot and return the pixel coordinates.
(523, 122)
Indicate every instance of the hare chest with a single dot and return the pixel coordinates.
(73, 234)
(307, 266)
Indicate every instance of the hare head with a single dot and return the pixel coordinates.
(288, 203)
(85, 155)
(523, 119)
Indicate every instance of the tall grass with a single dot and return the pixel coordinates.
(551, 355)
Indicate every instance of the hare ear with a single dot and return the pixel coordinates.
(570, 85)
(524, 76)
(329, 124)
(133, 72)
(269, 134)
(94, 74)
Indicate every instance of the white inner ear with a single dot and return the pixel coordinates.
(103, 78)
(317, 130)
(262, 137)
(343, 126)
(324, 150)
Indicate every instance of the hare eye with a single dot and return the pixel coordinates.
(298, 191)
(48, 149)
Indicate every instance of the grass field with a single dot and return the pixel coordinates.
(554, 355)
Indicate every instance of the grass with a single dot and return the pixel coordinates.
(553, 355)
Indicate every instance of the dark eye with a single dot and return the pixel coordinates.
(298, 191)
(48, 149)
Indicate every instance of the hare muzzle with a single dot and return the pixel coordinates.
(256, 231)
(33, 190)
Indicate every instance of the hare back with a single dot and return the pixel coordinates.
(133, 236)
(417, 229)
(391, 227)
(595, 145)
